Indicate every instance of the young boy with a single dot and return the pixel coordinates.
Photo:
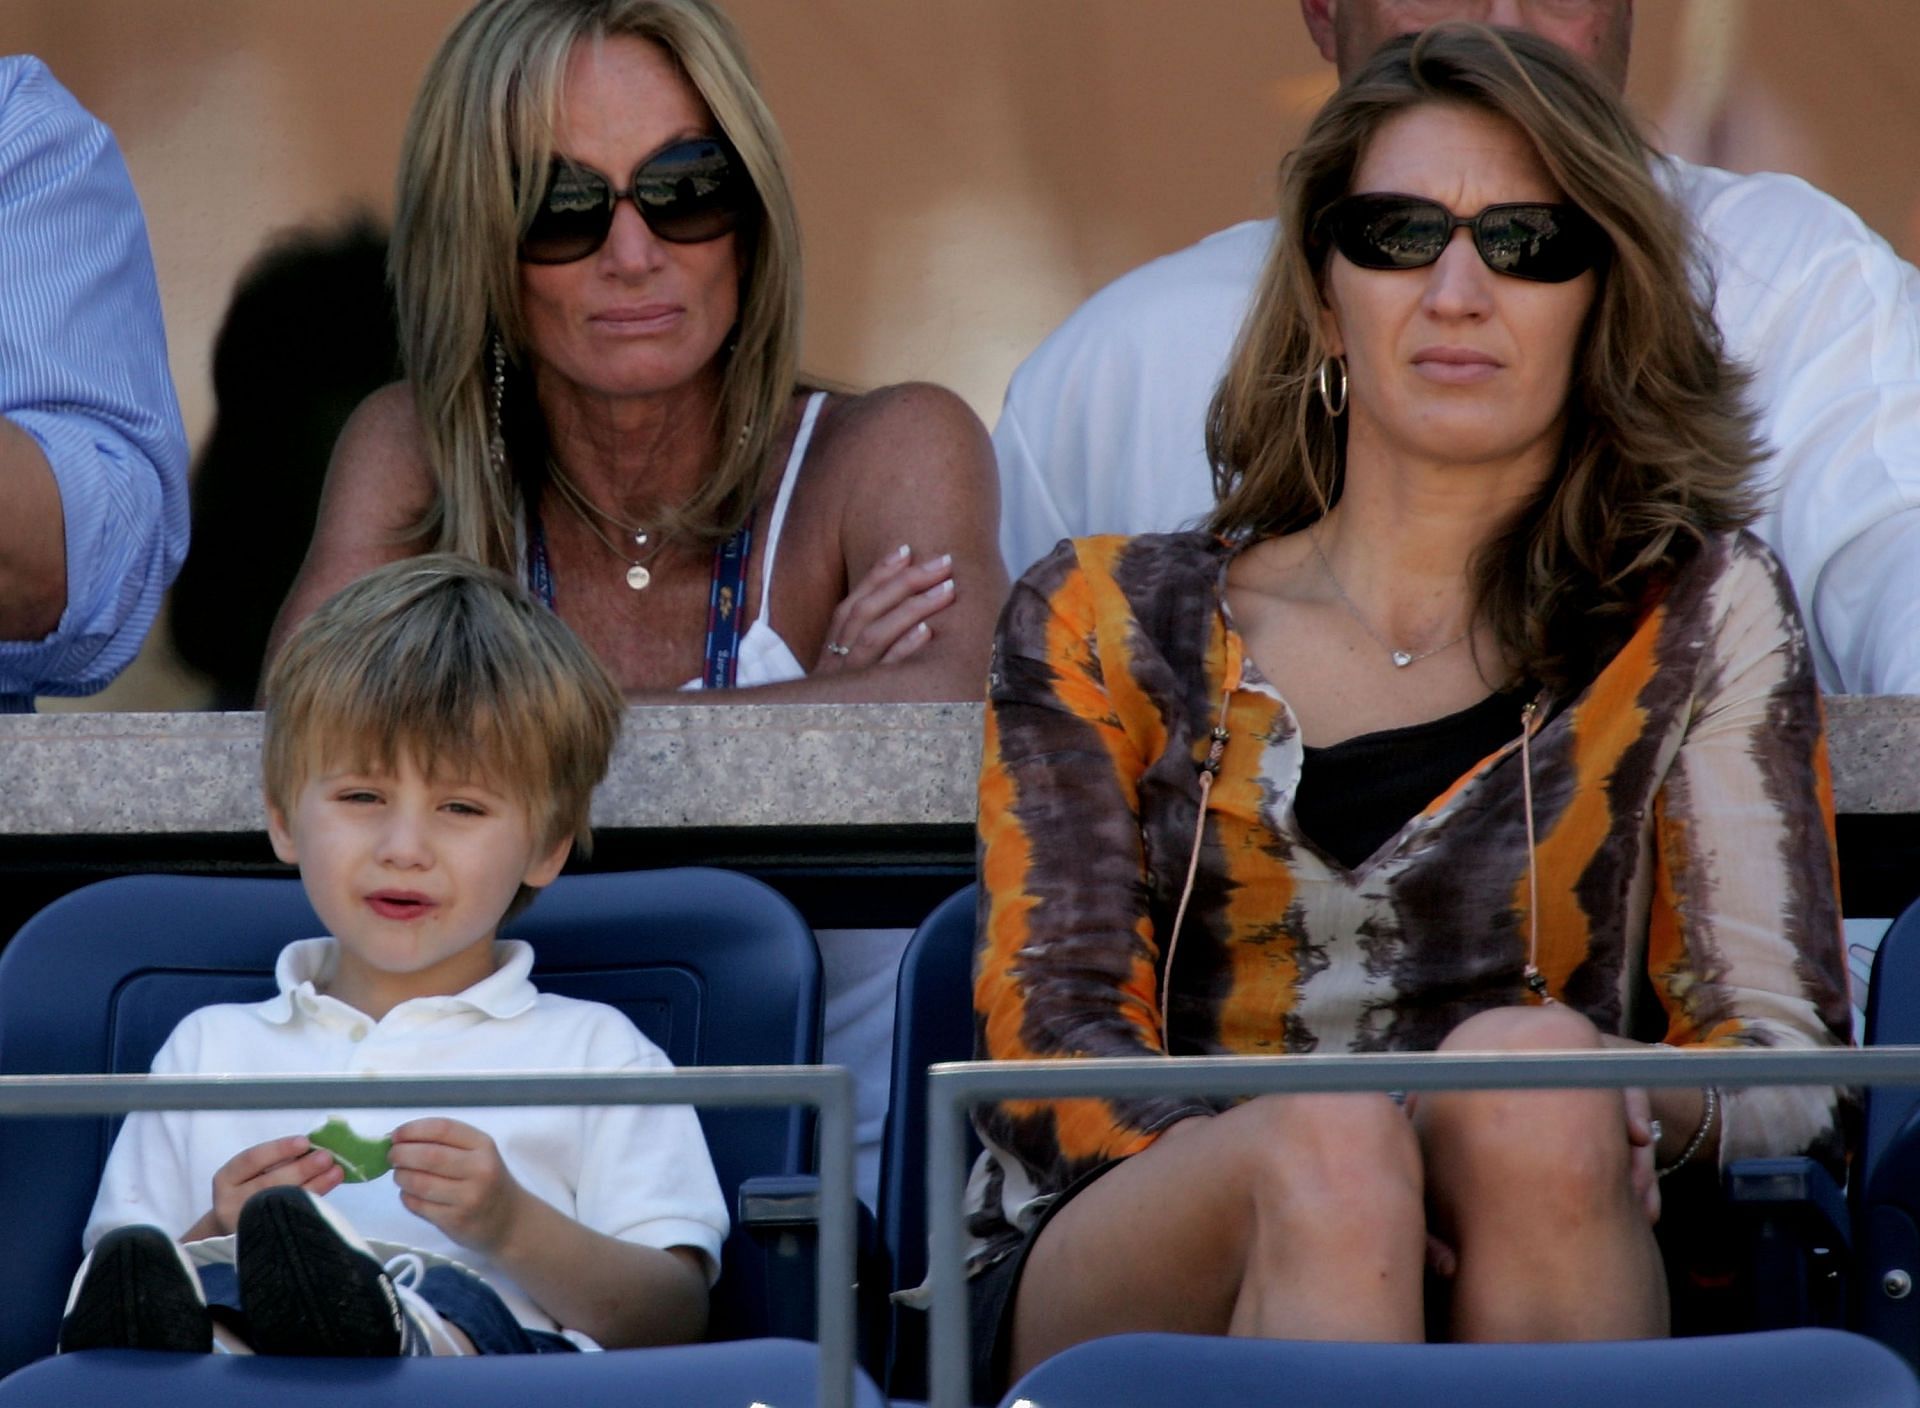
(433, 738)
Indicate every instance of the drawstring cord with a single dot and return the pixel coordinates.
(1216, 749)
(1536, 982)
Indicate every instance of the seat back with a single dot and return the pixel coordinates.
(1885, 1184)
(715, 967)
(1893, 1019)
(933, 1022)
(1774, 1369)
(686, 1376)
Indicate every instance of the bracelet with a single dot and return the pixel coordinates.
(1712, 1113)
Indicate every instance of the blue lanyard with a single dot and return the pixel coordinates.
(725, 598)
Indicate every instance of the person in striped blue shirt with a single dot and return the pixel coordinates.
(93, 457)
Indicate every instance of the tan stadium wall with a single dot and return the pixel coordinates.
(966, 173)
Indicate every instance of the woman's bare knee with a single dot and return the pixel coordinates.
(1276, 1192)
(1554, 1151)
(1572, 1142)
(1338, 1218)
(1551, 1027)
(1335, 1169)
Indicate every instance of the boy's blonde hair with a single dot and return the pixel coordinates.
(452, 666)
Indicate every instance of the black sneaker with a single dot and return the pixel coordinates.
(311, 1286)
(137, 1290)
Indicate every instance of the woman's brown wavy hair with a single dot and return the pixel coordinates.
(1659, 444)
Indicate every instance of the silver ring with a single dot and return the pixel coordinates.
(835, 648)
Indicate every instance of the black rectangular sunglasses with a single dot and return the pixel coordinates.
(1546, 243)
(688, 192)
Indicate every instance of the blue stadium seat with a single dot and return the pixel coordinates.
(933, 1022)
(1886, 1175)
(715, 967)
(689, 1376)
(1777, 1369)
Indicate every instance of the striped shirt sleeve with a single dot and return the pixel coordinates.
(83, 371)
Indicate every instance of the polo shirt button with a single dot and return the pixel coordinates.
(359, 1032)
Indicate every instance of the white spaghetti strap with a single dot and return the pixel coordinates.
(780, 500)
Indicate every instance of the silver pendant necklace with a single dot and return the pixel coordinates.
(639, 574)
(1401, 657)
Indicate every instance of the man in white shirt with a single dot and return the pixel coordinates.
(1103, 429)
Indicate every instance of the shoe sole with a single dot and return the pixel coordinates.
(137, 1294)
(305, 1290)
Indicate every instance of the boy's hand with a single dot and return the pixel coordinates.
(276, 1163)
(452, 1175)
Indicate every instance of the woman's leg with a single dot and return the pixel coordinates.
(1288, 1216)
(1534, 1191)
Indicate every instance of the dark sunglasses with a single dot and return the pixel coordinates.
(687, 193)
(1548, 244)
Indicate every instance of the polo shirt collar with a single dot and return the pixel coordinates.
(305, 966)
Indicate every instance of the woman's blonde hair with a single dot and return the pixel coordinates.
(1658, 445)
(485, 114)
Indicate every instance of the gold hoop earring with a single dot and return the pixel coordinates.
(1324, 384)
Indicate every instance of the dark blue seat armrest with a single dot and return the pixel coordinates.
(781, 1212)
(1802, 1240)
(779, 1200)
(1795, 1187)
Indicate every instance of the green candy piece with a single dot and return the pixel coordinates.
(360, 1159)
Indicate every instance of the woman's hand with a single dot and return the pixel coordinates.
(452, 1175)
(291, 1161)
(1640, 1141)
(884, 619)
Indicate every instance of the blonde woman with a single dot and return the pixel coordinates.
(598, 277)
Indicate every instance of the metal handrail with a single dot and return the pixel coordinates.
(955, 1086)
(827, 1089)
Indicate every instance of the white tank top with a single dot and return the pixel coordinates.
(764, 657)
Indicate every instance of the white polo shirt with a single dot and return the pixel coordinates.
(1104, 427)
(639, 1173)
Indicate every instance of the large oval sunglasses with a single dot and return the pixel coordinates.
(1547, 243)
(688, 192)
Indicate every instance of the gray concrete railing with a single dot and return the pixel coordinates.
(764, 767)
(827, 1089)
(954, 1087)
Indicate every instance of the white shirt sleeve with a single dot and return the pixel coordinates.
(83, 370)
(1104, 426)
(1030, 520)
(1824, 313)
(645, 1174)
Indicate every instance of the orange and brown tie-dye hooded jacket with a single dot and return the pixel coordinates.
(1685, 856)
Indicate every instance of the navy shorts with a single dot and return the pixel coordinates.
(460, 1296)
(992, 1290)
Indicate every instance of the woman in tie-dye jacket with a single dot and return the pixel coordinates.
(1474, 721)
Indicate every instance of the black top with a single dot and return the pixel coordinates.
(1354, 796)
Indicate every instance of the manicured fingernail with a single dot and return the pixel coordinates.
(904, 551)
(945, 588)
(943, 561)
(920, 629)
